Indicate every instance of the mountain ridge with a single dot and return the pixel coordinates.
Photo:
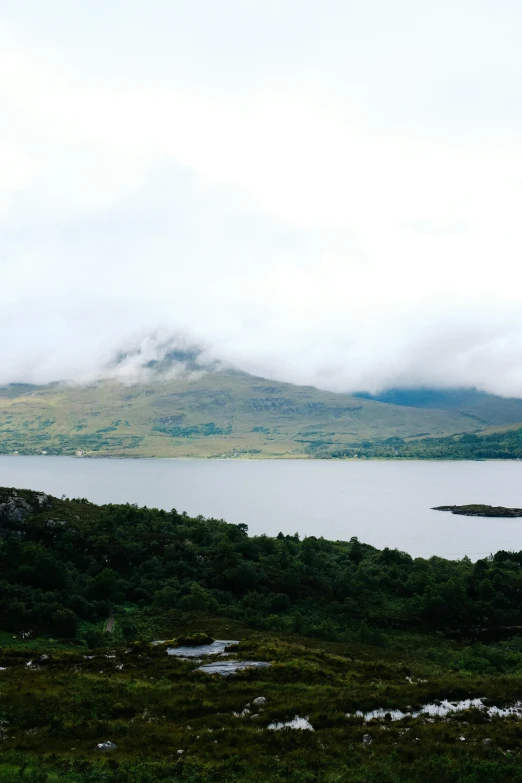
(226, 413)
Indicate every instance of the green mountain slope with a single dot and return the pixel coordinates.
(223, 413)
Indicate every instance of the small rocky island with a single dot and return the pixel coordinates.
(478, 510)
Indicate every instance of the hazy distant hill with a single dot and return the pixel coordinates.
(229, 413)
(486, 408)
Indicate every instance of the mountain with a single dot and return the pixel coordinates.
(228, 413)
(485, 408)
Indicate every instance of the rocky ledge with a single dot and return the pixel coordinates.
(477, 510)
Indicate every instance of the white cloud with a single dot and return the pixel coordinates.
(316, 192)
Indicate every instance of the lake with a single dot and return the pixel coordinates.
(384, 503)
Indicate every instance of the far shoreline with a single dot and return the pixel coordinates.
(264, 458)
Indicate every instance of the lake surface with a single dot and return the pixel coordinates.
(382, 503)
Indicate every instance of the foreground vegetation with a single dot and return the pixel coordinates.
(345, 627)
(66, 562)
(172, 723)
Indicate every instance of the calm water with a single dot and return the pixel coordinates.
(383, 503)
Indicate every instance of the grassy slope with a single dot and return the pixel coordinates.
(152, 705)
(54, 712)
(217, 414)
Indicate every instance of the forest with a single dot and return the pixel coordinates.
(64, 562)
(498, 445)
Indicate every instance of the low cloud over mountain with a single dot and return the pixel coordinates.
(325, 194)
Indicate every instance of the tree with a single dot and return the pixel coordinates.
(65, 623)
(128, 629)
(198, 599)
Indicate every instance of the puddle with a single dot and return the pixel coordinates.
(441, 710)
(226, 668)
(216, 648)
(296, 723)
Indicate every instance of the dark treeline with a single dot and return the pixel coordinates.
(499, 445)
(67, 563)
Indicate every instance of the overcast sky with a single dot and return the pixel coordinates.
(321, 191)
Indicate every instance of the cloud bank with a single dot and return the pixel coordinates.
(326, 193)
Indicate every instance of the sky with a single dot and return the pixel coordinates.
(320, 191)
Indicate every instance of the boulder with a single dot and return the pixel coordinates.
(367, 740)
(106, 746)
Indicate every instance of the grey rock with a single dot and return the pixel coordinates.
(260, 700)
(44, 657)
(242, 714)
(15, 509)
(487, 741)
(367, 740)
(106, 746)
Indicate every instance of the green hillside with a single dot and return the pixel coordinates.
(402, 670)
(506, 444)
(224, 413)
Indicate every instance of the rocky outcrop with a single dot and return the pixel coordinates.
(15, 509)
(16, 506)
